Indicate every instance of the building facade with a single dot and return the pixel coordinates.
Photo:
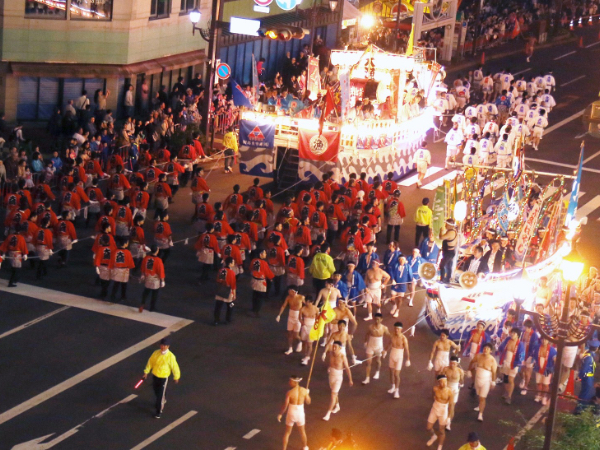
(51, 50)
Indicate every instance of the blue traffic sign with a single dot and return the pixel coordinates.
(288, 5)
(223, 71)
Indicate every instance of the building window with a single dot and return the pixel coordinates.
(46, 9)
(160, 9)
(91, 9)
(187, 6)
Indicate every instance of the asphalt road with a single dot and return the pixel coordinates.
(59, 375)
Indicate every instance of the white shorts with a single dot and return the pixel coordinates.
(569, 355)
(375, 346)
(483, 382)
(455, 388)
(506, 370)
(295, 416)
(374, 293)
(336, 376)
(540, 378)
(396, 358)
(421, 166)
(529, 363)
(442, 359)
(451, 151)
(309, 323)
(293, 323)
(538, 132)
(439, 412)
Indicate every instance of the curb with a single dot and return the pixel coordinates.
(465, 65)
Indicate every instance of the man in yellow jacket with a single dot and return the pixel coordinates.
(162, 363)
(231, 148)
(322, 268)
(472, 443)
(423, 216)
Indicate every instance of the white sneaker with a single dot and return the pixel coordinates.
(324, 343)
(393, 310)
(392, 389)
(432, 440)
(522, 384)
(336, 409)
(289, 351)
(397, 313)
(448, 425)
(353, 359)
(369, 317)
(299, 347)
(326, 418)
(480, 417)
(410, 303)
(397, 393)
(524, 392)
(366, 380)
(476, 408)
(376, 376)
(537, 399)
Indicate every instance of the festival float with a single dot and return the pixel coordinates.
(300, 148)
(534, 210)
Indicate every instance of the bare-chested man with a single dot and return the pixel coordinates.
(328, 294)
(456, 380)
(341, 335)
(443, 406)
(295, 302)
(441, 352)
(308, 315)
(397, 347)
(342, 312)
(375, 277)
(543, 294)
(485, 367)
(337, 364)
(512, 352)
(476, 341)
(295, 399)
(374, 346)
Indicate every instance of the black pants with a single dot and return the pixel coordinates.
(63, 256)
(318, 285)
(41, 269)
(185, 177)
(174, 189)
(257, 301)
(277, 284)
(446, 265)
(15, 274)
(228, 154)
(219, 304)
(421, 231)
(396, 231)
(159, 211)
(163, 254)
(104, 288)
(153, 299)
(204, 270)
(115, 288)
(160, 389)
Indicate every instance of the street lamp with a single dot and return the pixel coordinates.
(333, 5)
(195, 16)
(558, 331)
(367, 21)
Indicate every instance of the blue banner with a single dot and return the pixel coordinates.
(239, 96)
(257, 134)
(575, 191)
(503, 210)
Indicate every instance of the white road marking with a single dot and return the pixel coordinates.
(591, 45)
(33, 322)
(90, 304)
(412, 180)
(572, 81)
(230, 448)
(570, 166)
(38, 444)
(522, 71)
(88, 373)
(535, 419)
(251, 434)
(588, 208)
(591, 157)
(434, 184)
(165, 430)
(565, 55)
(563, 122)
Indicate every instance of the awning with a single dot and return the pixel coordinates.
(351, 15)
(68, 70)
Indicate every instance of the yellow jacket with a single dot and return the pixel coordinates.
(162, 365)
(423, 215)
(322, 266)
(468, 447)
(230, 141)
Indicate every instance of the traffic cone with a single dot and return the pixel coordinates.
(579, 24)
(482, 58)
(570, 390)
(590, 20)
(511, 444)
(581, 42)
(571, 25)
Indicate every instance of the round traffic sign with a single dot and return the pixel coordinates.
(223, 71)
(263, 2)
(287, 5)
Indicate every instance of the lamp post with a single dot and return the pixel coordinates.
(213, 45)
(571, 267)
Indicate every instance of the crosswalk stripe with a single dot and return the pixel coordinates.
(434, 184)
(587, 209)
(412, 180)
